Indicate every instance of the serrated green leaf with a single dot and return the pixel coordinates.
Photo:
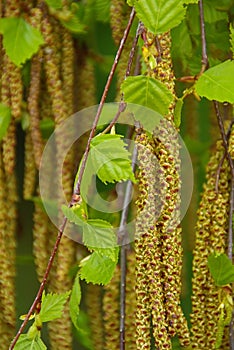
(216, 83)
(97, 269)
(178, 111)
(110, 159)
(74, 304)
(24, 343)
(74, 22)
(232, 39)
(55, 4)
(98, 233)
(52, 306)
(159, 15)
(5, 118)
(20, 40)
(147, 92)
(73, 216)
(221, 269)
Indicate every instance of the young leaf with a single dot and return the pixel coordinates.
(178, 111)
(110, 159)
(24, 343)
(158, 15)
(97, 269)
(98, 233)
(20, 39)
(52, 306)
(221, 269)
(148, 92)
(55, 4)
(5, 118)
(72, 216)
(74, 22)
(216, 83)
(74, 304)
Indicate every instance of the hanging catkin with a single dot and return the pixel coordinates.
(130, 324)
(60, 330)
(149, 292)
(211, 236)
(12, 9)
(30, 171)
(111, 312)
(93, 300)
(165, 237)
(7, 261)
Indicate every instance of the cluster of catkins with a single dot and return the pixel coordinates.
(51, 94)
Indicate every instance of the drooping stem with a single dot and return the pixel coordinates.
(75, 196)
(122, 236)
(203, 38)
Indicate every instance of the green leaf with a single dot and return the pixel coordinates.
(212, 15)
(97, 269)
(178, 111)
(52, 306)
(147, 92)
(221, 269)
(74, 22)
(102, 10)
(109, 159)
(73, 216)
(20, 40)
(159, 15)
(46, 127)
(232, 39)
(24, 343)
(5, 118)
(55, 4)
(98, 233)
(216, 83)
(74, 304)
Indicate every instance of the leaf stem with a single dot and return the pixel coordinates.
(75, 196)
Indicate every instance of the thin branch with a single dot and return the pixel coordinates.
(122, 105)
(122, 237)
(203, 38)
(75, 196)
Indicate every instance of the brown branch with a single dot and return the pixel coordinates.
(75, 196)
(204, 61)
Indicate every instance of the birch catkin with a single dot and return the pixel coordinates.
(211, 237)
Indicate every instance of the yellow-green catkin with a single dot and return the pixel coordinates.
(211, 237)
(93, 301)
(34, 93)
(149, 288)
(12, 9)
(231, 143)
(130, 302)
(60, 330)
(157, 59)
(30, 172)
(7, 260)
(111, 312)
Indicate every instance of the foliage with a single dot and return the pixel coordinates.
(18, 33)
(109, 160)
